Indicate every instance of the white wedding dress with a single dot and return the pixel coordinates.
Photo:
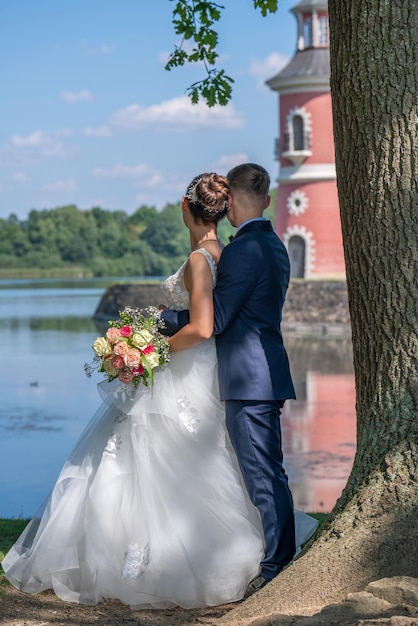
(149, 508)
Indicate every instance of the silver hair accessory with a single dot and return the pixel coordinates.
(191, 195)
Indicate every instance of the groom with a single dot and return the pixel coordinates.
(254, 375)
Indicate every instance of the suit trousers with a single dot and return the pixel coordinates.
(255, 433)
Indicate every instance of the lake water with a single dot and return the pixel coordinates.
(46, 333)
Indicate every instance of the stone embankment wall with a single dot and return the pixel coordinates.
(319, 307)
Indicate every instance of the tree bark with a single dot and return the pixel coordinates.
(373, 530)
(374, 87)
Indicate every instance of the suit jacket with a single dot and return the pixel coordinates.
(253, 276)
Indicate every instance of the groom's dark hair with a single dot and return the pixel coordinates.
(250, 178)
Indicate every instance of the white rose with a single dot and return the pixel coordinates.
(153, 359)
(141, 339)
(102, 347)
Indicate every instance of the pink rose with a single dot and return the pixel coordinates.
(148, 349)
(126, 376)
(118, 362)
(120, 348)
(138, 371)
(132, 358)
(126, 331)
(112, 334)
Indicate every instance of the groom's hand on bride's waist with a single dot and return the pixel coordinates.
(173, 321)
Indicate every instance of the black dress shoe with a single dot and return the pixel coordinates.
(255, 585)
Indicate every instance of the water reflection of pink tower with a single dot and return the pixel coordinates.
(308, 219)
(319, 439)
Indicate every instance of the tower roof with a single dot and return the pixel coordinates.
(306, 64)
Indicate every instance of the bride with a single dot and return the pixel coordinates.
(150, 507)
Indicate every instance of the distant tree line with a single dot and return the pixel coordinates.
(97, 242)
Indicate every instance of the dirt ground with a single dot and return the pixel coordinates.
(45, 609)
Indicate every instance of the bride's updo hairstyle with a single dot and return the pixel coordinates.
(208, 197)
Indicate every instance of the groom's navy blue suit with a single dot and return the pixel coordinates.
(254, 375)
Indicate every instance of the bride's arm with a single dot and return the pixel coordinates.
(198, 281)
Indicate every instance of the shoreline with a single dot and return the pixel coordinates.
(312, 307)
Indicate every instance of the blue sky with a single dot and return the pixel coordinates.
(89, 115)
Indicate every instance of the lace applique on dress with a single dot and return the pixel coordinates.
(174, 288)
(136, 560)
(189, 415)
(123, 392)
(113, 444)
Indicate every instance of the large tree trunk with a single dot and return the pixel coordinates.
(373, 530)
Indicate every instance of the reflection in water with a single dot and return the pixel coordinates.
(46, 336)
(319, 429)
(69, 324)
(24, 419)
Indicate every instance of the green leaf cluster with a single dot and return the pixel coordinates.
(266, 6)
(194, 20)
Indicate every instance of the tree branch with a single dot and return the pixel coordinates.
(194, 20)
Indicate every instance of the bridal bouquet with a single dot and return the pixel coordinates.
(131, 348)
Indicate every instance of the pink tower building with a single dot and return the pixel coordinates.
(308, 218)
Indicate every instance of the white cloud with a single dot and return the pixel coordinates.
(46, 142)
(22, 150)
(228, 161)
(71, 96)
(21, 177)
(100, 131)
(68, 185)
(34, 140)
(140, 173)
(178, 114)
(266, 68)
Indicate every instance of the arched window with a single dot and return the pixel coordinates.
(297, 256)
(307, 32)
(298, 135)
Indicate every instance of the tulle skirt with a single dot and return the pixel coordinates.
(150, 507)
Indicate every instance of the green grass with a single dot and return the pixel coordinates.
(321, 517)
(10, 529)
